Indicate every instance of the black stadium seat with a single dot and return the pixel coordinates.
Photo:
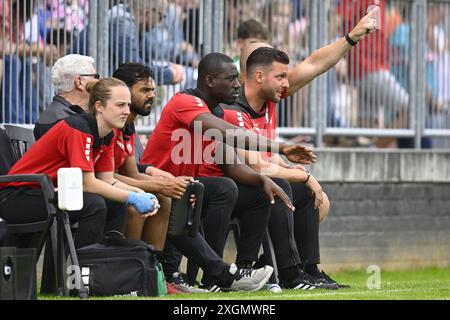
(56, 236)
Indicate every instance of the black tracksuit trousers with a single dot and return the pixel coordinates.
(223, 199)
(295, 236)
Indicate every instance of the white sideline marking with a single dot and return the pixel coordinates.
(302, 294)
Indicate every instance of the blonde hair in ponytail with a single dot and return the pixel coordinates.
(101, 91)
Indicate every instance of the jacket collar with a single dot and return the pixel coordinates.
(128, 130)
(62, 100)
(74, 107)
(98, 142)
(241, 104)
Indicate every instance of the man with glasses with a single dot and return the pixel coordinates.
(95, 75)
(70, 74)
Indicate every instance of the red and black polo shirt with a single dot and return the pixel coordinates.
(124, 141)
(174, 146)
(72, 142)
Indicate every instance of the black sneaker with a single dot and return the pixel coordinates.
(301, 281)
(210, 287)
(179, 283)
(261, 262)
(327, 281)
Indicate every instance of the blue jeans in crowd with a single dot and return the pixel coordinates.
(18, 94)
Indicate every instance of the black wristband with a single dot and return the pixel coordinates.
(143, 167)
(350, 40)
(309, 175)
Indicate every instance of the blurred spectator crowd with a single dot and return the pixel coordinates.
(368, 89)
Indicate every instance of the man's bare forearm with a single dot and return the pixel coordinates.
(327, 57)
(234, 136)
(148, 185)
(319, 62)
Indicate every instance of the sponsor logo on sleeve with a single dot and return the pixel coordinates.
(198, 101)
(88, 148)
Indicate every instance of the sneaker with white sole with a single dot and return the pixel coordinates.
(326, 281)
(301, 281)
(177, 281)
(212, 287)
(171, 290)
(248, 279)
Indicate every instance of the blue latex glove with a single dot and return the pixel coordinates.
(144, 202)
(153, 197)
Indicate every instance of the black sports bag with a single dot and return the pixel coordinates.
(121, 267)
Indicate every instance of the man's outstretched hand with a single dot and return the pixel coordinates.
(366, 25)
(298, 154)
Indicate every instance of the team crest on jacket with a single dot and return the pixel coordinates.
(120, 144)
(129, 148)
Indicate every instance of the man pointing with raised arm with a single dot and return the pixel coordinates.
(190, 113)
(267, 79)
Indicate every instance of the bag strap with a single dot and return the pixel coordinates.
(116, 238)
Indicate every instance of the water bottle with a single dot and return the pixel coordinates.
(273, 287)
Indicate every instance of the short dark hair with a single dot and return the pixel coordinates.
(132, 73)
(252, 28)
(265, 56)
(211, 64)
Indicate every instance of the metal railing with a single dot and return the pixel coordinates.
(394, 83)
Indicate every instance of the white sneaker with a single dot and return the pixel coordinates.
(249, 279)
